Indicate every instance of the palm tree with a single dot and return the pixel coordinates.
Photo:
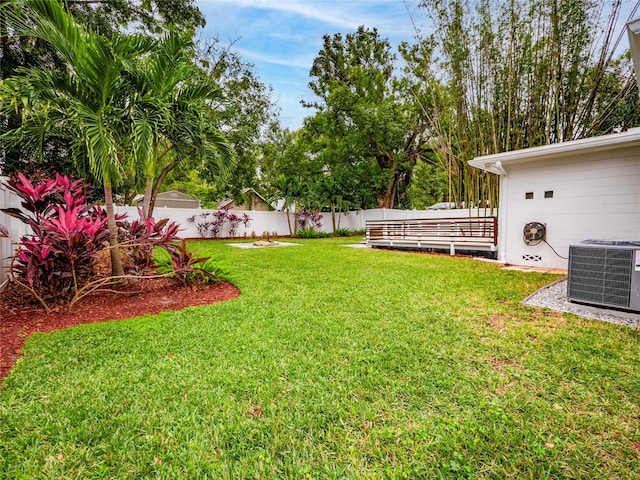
(89, 102)
(173, 114)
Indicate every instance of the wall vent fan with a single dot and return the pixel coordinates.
(534, 232)
(605, 273)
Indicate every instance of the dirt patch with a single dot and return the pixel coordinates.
(498, 322)
(18, 321)
(500, 365)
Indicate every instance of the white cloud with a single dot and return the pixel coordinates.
(293, 62)
(283, 37)
(348, 14)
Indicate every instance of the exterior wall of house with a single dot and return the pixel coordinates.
(595, 196)
(251, 203)
(254, 202)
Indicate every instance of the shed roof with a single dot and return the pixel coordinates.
(494, 163)
(227, 201)
(174, 194)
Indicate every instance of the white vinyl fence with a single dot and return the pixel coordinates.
(275, 223)
(262, 223)
(15, 227)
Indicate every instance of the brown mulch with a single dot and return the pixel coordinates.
(18, 319)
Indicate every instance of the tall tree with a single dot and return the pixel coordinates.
(244, 110)
(286, 170)
(428, 186)
(105, 16)
(364, 106)
(174, 118)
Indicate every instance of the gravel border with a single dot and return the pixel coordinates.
(554, 297)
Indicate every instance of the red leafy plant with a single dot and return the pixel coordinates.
(211, 224)
(139, 238)
(187, 268)
(235, 220)
(56, 261)
(59, 254)
(309, 218)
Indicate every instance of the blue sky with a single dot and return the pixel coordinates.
(282, 37)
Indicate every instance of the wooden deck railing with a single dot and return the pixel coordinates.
(473, 233)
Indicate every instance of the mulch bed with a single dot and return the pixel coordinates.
(19, 318)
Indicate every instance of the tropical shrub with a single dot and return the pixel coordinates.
(309, 224)
(235, 220)
(341, 232)
(211, 224)
(59, 255)
(138, 239)
(187, 268)
(309, 218)
(56, 261)
(310, 232)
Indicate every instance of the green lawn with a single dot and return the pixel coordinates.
(333, 363)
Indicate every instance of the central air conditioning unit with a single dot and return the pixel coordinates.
(605, 273)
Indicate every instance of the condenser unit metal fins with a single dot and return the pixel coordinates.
(605, 274)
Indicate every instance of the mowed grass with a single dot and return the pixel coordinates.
(333, 363)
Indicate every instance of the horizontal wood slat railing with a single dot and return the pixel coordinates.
(471, 233)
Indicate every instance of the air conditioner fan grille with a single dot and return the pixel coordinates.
(600, 275)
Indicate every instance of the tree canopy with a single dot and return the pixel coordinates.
(385, 129)
(125, 103)
(365, 114)
(104, 17)
(492, 76)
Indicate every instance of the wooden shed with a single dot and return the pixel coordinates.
(175, 199)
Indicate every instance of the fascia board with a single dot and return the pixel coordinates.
(494, 163)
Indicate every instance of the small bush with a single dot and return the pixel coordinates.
(187, 268)
(211, 224)
(138, 239)
(341, 232)
(58, 261)
(308, 219)
(311, 232)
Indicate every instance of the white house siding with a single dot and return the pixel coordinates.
(595, 196)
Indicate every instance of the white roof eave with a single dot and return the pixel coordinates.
(495, 163)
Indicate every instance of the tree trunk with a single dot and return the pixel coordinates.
(147, 209)
(333, 217)
(116, 262)
(156, 185)
(291, 233)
